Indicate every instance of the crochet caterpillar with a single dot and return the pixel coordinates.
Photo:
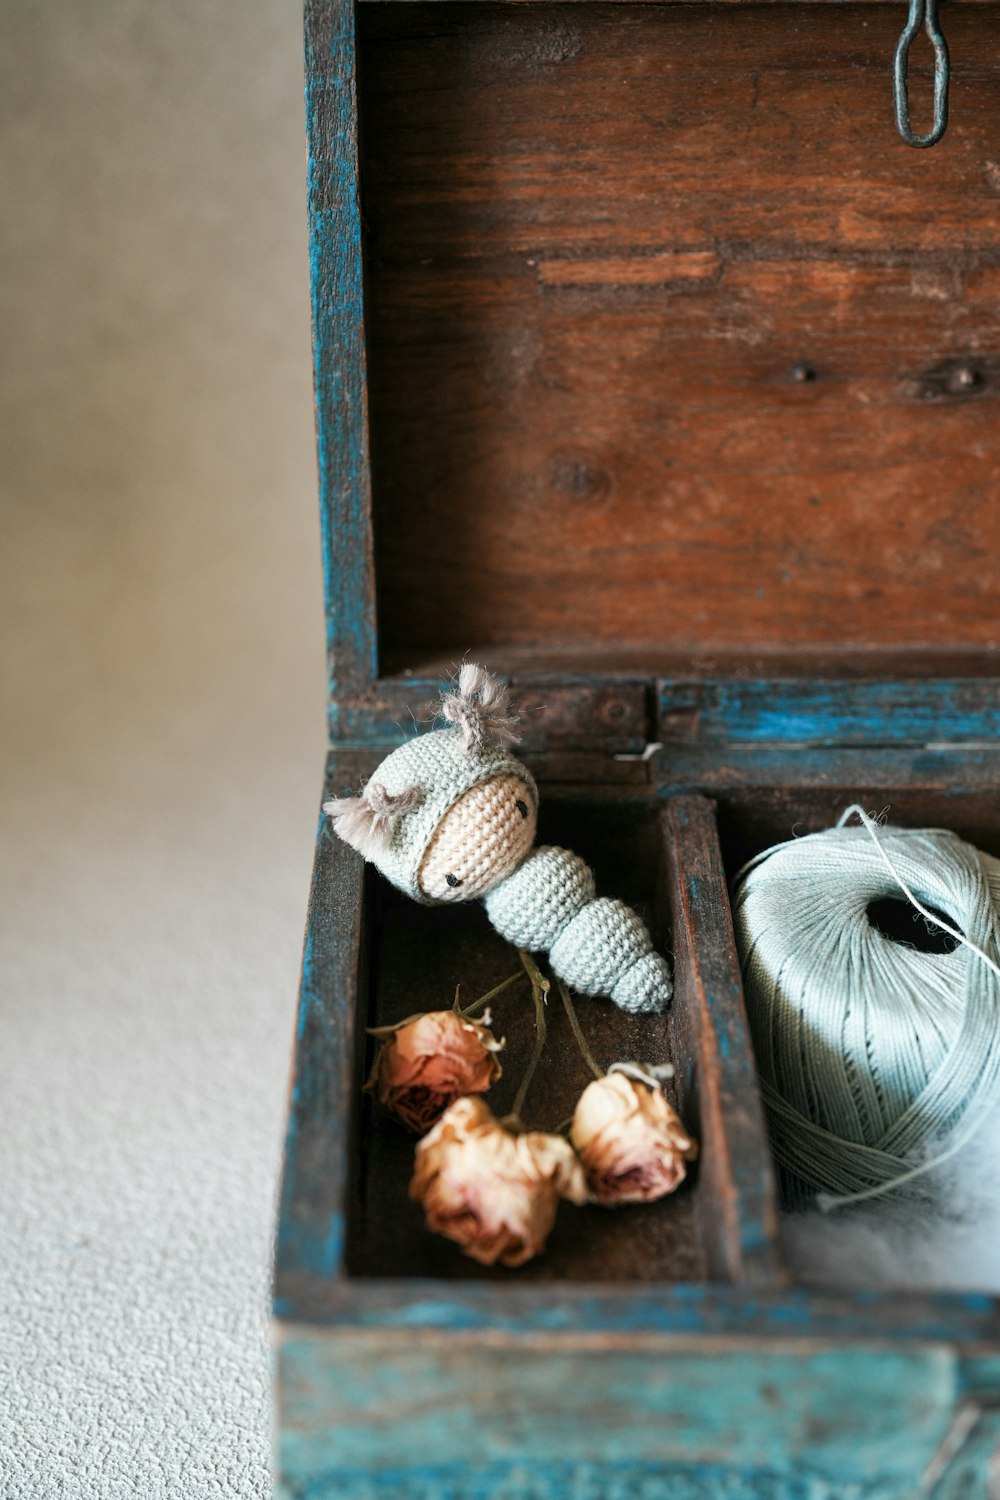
(451, 816)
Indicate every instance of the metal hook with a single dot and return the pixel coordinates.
(922, 13)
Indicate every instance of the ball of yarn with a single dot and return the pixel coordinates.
(870, 1052)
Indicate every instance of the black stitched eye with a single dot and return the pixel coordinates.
(453, 880)
(522, 807)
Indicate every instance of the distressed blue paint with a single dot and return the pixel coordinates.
(981, 1376)
(945, 714)
(316, 1249)
(311, 1225)
(811, 711)
(858, 1415)
(953, 771)
(580, 1481)
(308, 982)
(677, 1308)
(722, 1038)
(741, 1240)
(339, 347)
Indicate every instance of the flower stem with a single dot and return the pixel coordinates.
(581, 1040)
(540, 987)
(470, 1010)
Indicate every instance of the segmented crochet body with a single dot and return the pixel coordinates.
(597, 944)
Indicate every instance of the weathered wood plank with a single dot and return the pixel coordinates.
(864, 1417)
(718, 769)
(316, 1185)
(709, 1310)
(557, 711)
(340, 372)
(711, 1041)
(552, 661)
(782, 711)
(619, 714)
(630, 382)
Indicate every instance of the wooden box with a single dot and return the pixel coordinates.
(654, 371)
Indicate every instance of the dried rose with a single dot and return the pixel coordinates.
(430, 1060)
(493, 1192)
(632, 1144)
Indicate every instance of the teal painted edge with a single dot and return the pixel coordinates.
(936, 717)
(339, 347)
(675, 1308)
(310, 1239)
(981, 1376)
(835, 712)
(716, 769)
(863, 1414)
(553, 1481)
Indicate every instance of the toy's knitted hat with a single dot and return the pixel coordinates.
(393, 820)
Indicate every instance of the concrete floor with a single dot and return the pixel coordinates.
(161, 639)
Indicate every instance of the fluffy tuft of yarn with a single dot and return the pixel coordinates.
(367, 822)
(480, 707)
(876, 1060)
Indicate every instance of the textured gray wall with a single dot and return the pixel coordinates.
(161, 639)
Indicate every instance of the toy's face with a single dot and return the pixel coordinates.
(479, 841)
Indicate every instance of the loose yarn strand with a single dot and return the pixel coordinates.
(929, 916)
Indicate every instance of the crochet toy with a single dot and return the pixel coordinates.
(451, 815)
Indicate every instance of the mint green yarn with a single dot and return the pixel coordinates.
(874, 1058)
(539, 900)
(598, 947)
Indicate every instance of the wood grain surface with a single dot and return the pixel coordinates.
(710, 1036)
(670, 339)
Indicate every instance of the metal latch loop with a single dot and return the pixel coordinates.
(923, 13)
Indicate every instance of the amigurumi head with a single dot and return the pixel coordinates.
(450, 814)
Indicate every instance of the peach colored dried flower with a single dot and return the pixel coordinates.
(430, 1060)
(493, 1192)
(632, 1143)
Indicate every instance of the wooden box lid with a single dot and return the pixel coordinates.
(645, 347)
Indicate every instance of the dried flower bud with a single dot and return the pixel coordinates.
(430, 1060)
(632, 1144)
(493, 1192)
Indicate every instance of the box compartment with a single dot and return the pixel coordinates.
(413, 958)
